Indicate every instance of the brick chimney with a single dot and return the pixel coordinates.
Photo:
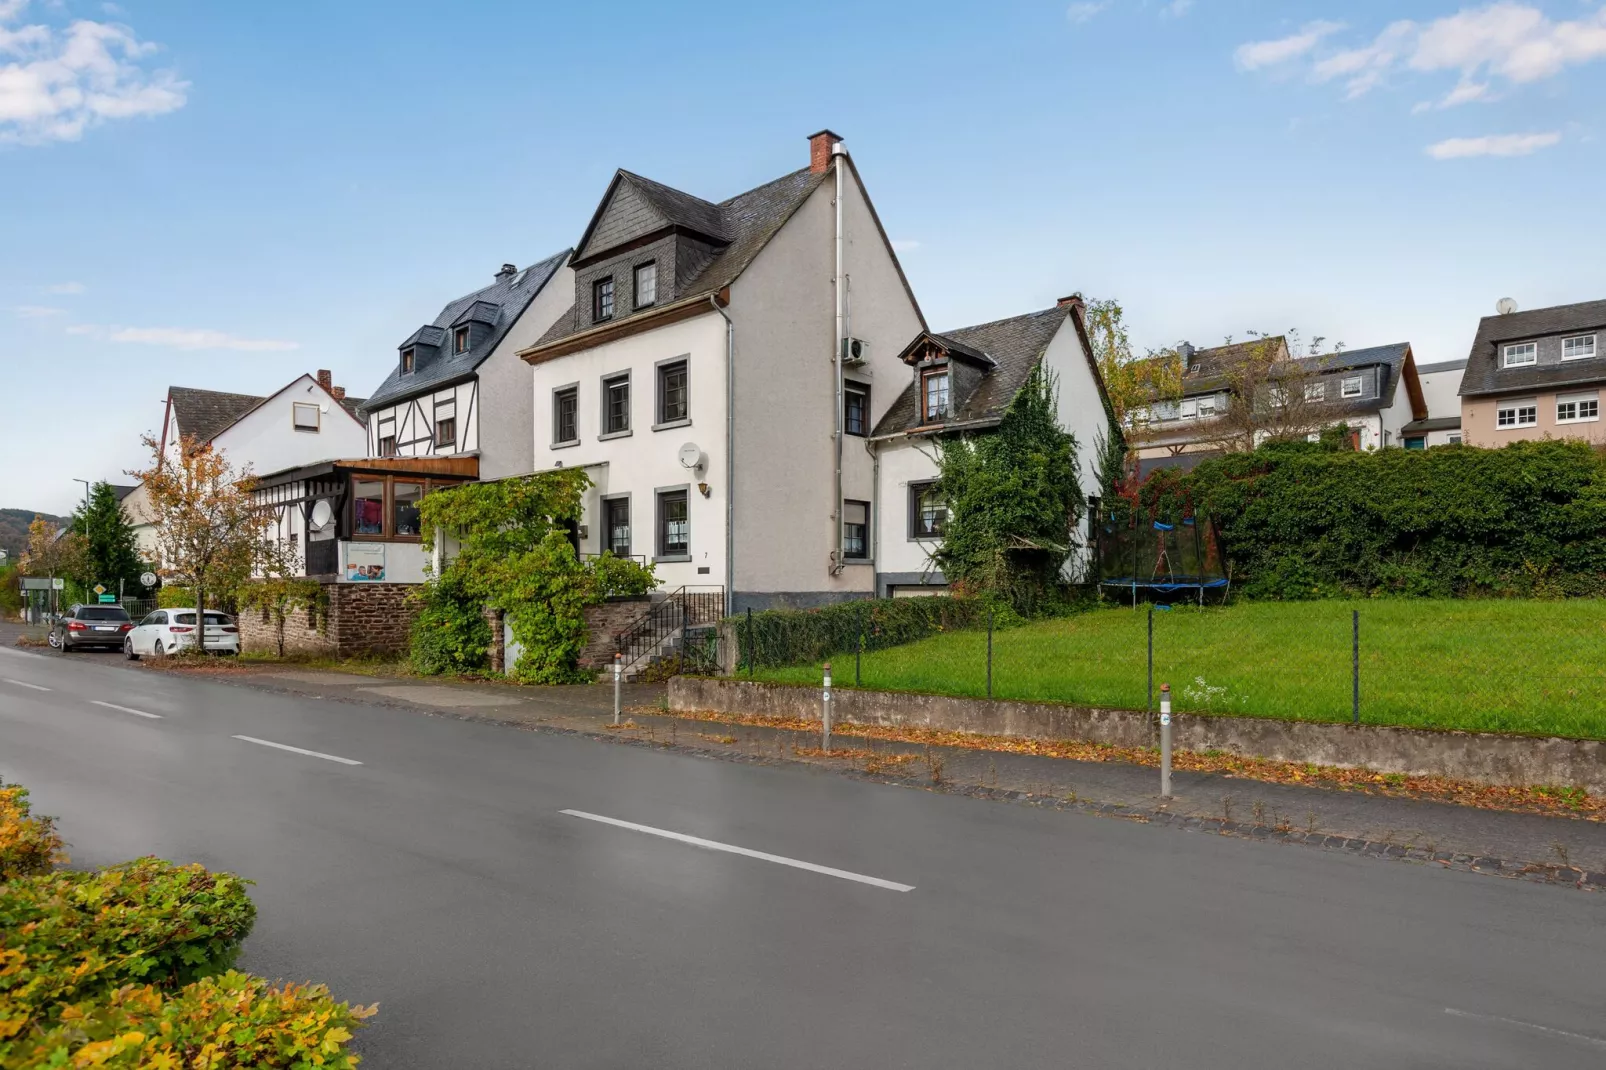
(1074, 301)
(339, 393)
(325, 380)
(820, 150)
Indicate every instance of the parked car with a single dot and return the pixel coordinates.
(86, 626)
(170, 631)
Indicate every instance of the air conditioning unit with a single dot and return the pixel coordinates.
(855, 351)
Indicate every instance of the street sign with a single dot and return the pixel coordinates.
(148, 579)
(99, 588)
(58, 584)
(108, 598)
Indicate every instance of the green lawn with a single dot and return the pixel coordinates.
(1487, 665)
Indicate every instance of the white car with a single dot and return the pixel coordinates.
(168, 631)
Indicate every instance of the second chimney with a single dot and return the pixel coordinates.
(1186, 352)
(1074, 301)
(326, 380)
(507, 272)
(339, 392)
(820, 150)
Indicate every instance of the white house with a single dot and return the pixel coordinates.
(458, 387)
(719, 376)
(1441, 390)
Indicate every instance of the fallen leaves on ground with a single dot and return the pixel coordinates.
(1560, 801)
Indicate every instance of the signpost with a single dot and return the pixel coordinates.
(148, 579)
(108, 599)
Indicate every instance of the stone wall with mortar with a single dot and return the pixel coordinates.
(1481, 757)
(604, 622)
(363, 618)
(259, 633)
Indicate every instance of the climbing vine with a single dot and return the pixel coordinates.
(506, 547)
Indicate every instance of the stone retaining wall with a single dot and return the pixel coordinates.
(363, 618)
(604, 622)
(1480, 757)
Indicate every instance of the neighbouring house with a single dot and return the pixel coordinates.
(353, 525)
(306, 420)
(1441, 389)
(962, 381)
(458, 387)
(1375, 391)
(1536, 374)
(717, 372)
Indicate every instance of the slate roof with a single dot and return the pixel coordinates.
(1015, 345)
(1484, 374)
(1436, 423)
(1391, 362)
(748, 221)
(1441, 366)
(203, 414)
(512, 294)
(680, 208)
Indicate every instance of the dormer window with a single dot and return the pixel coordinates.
(647, 284)
(460, 340)
(934, 395)
(407, 362)
(602, 300)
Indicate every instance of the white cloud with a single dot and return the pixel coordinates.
(905, 245)
(1457, 148)
(83, 328)
(60, 82)
(1506, 39)
(1085, 9)
(65, 288)
(1258, 54)
(1176, 9)
(34, 312)
(195, 338)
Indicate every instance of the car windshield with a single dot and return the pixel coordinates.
(103, 613)
(213, 620)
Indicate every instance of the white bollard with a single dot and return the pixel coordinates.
(1165, 741)
(618, 677)
(825, 710)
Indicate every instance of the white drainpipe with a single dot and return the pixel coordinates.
(838, 155)
(730, 455)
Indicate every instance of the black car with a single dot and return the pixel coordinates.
(87, 626)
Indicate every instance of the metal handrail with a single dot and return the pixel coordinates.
(689, 606)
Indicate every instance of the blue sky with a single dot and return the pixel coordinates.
(227, 195)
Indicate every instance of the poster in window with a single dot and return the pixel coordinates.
(365, 562)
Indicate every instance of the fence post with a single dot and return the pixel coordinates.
(752, 647)
(989, 652)
(1355, 667)
(1165, 741)
(825, 711)
(1151, 667)
(618, 676)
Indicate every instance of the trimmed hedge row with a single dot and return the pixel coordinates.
(120, 968)
(779, 637)
(1299, 521)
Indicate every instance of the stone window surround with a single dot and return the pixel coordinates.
(658, 401)
(608, 381)
(658, 523)
(565, 443)
(630, 512)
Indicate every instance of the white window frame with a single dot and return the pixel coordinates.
(1188, 409)
(1516, 406)
(296, 408)
(1207, 407)
(1315, 391)
(1453, 438)
(1530, 348)
(1589, 338)
(1592, 397)
(1355, 381)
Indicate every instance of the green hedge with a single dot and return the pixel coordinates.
(1300, 521)
(779, 637)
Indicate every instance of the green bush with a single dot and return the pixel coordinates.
(778, 637)
(28, 844)
(1299, 521)
(220, 1023)
(450, 633)
(67, 937)
(170, 597)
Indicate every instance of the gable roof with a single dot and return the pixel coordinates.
(747, 221)
(349, 405)
(1390, 360)
(1484, 374)
(664, 205)
(510, 295)
(1014, 345)
(204, 414)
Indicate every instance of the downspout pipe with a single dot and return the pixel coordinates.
(838, 154)
(730, 455)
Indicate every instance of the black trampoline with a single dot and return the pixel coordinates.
(1151, 557)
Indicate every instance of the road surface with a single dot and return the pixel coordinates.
(522, 899)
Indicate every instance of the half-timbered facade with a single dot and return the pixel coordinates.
(458, 388)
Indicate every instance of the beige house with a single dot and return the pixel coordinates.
(1536, 374)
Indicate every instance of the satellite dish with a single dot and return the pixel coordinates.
(691, 456)
(321, 514)
(1505, 306)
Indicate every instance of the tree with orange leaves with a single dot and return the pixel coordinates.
(209, 530)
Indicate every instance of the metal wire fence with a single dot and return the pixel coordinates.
(1531, 667)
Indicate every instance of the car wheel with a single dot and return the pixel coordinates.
(157, 649)
(128, 649)
(54, 639)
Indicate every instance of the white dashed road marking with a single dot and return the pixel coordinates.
(298, 750)
(24, 683)
(126, 709)
(1520, 1024)
(714, 845)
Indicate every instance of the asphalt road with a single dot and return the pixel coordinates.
(442, 878)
